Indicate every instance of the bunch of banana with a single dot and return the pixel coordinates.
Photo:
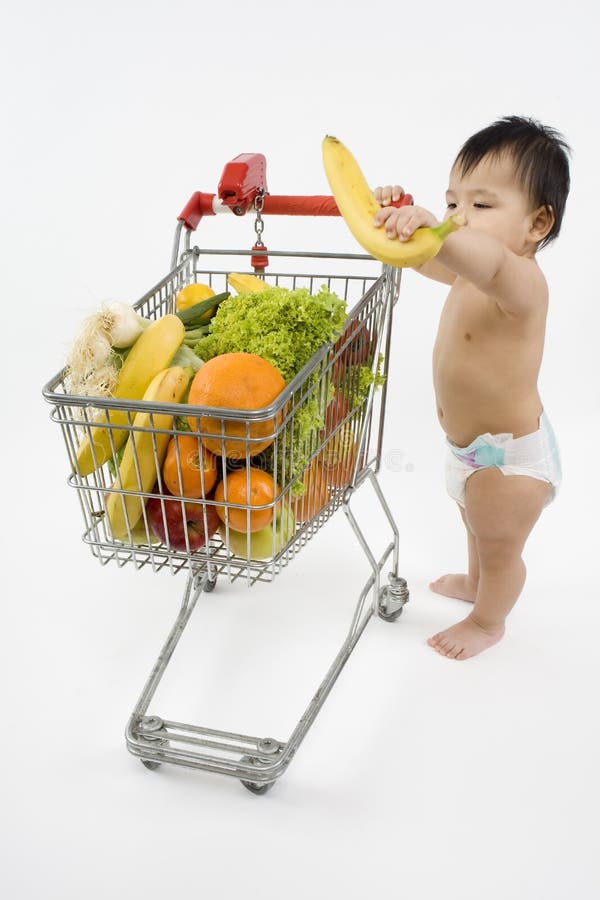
(144, 453)
(358, 206)
(246, 284)
(151, 353)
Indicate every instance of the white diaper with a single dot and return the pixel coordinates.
(535, 454)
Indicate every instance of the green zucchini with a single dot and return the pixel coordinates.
(192, 316)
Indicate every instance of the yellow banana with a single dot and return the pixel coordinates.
(144, 453)
(358, 206)
(246, 284)
(152, 352)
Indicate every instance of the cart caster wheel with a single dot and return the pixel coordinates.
(256, 787)
(397, 592)
(390, 617)
(209, 585)
(151, 764)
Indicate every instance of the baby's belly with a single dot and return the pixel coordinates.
(474, 398)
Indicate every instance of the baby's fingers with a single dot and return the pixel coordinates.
(400, 222)
(388, 194)
(382, 215)
(407, 228)
(416, 217)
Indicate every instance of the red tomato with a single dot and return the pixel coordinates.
(335, 413)
(355, 347)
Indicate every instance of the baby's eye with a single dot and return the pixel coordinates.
(481, 206)
(451, 206)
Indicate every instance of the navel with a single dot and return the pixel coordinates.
(467, 336)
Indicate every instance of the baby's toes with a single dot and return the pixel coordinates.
(439, 642)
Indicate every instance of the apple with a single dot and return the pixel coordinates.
(141, 536)
(181, 518)
(261, 542)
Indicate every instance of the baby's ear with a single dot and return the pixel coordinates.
(542, 220)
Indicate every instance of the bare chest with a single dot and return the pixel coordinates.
(475, 331)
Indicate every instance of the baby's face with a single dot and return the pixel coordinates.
(491, 200)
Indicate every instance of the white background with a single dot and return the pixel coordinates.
(421, 777)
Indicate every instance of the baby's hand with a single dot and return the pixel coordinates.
(390, 193)
(401, 221)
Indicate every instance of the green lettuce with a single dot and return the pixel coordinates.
(283, 326)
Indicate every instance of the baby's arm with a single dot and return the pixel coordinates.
(433, 268)
(515, 282)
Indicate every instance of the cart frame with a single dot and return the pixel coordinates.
(256, 761)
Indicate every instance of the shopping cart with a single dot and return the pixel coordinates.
(342, 449)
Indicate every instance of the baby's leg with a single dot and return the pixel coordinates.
(462, 587)
(502, 510)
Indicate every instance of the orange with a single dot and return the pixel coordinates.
(247, 487)
(236, 381)
(189, 450)
(192, 294)
(316, 494)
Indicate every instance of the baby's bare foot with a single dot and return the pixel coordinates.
(465, 639)
(459, 586)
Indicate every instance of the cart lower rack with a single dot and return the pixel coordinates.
(313, 471)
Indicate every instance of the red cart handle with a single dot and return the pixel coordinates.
(200, 205)
(242, 181)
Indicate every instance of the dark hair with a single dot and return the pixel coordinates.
(540, 156)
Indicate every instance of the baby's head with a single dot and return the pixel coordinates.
(538, 160)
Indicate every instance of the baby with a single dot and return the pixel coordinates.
(510, 182)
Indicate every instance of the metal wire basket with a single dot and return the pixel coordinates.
(348, 444)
